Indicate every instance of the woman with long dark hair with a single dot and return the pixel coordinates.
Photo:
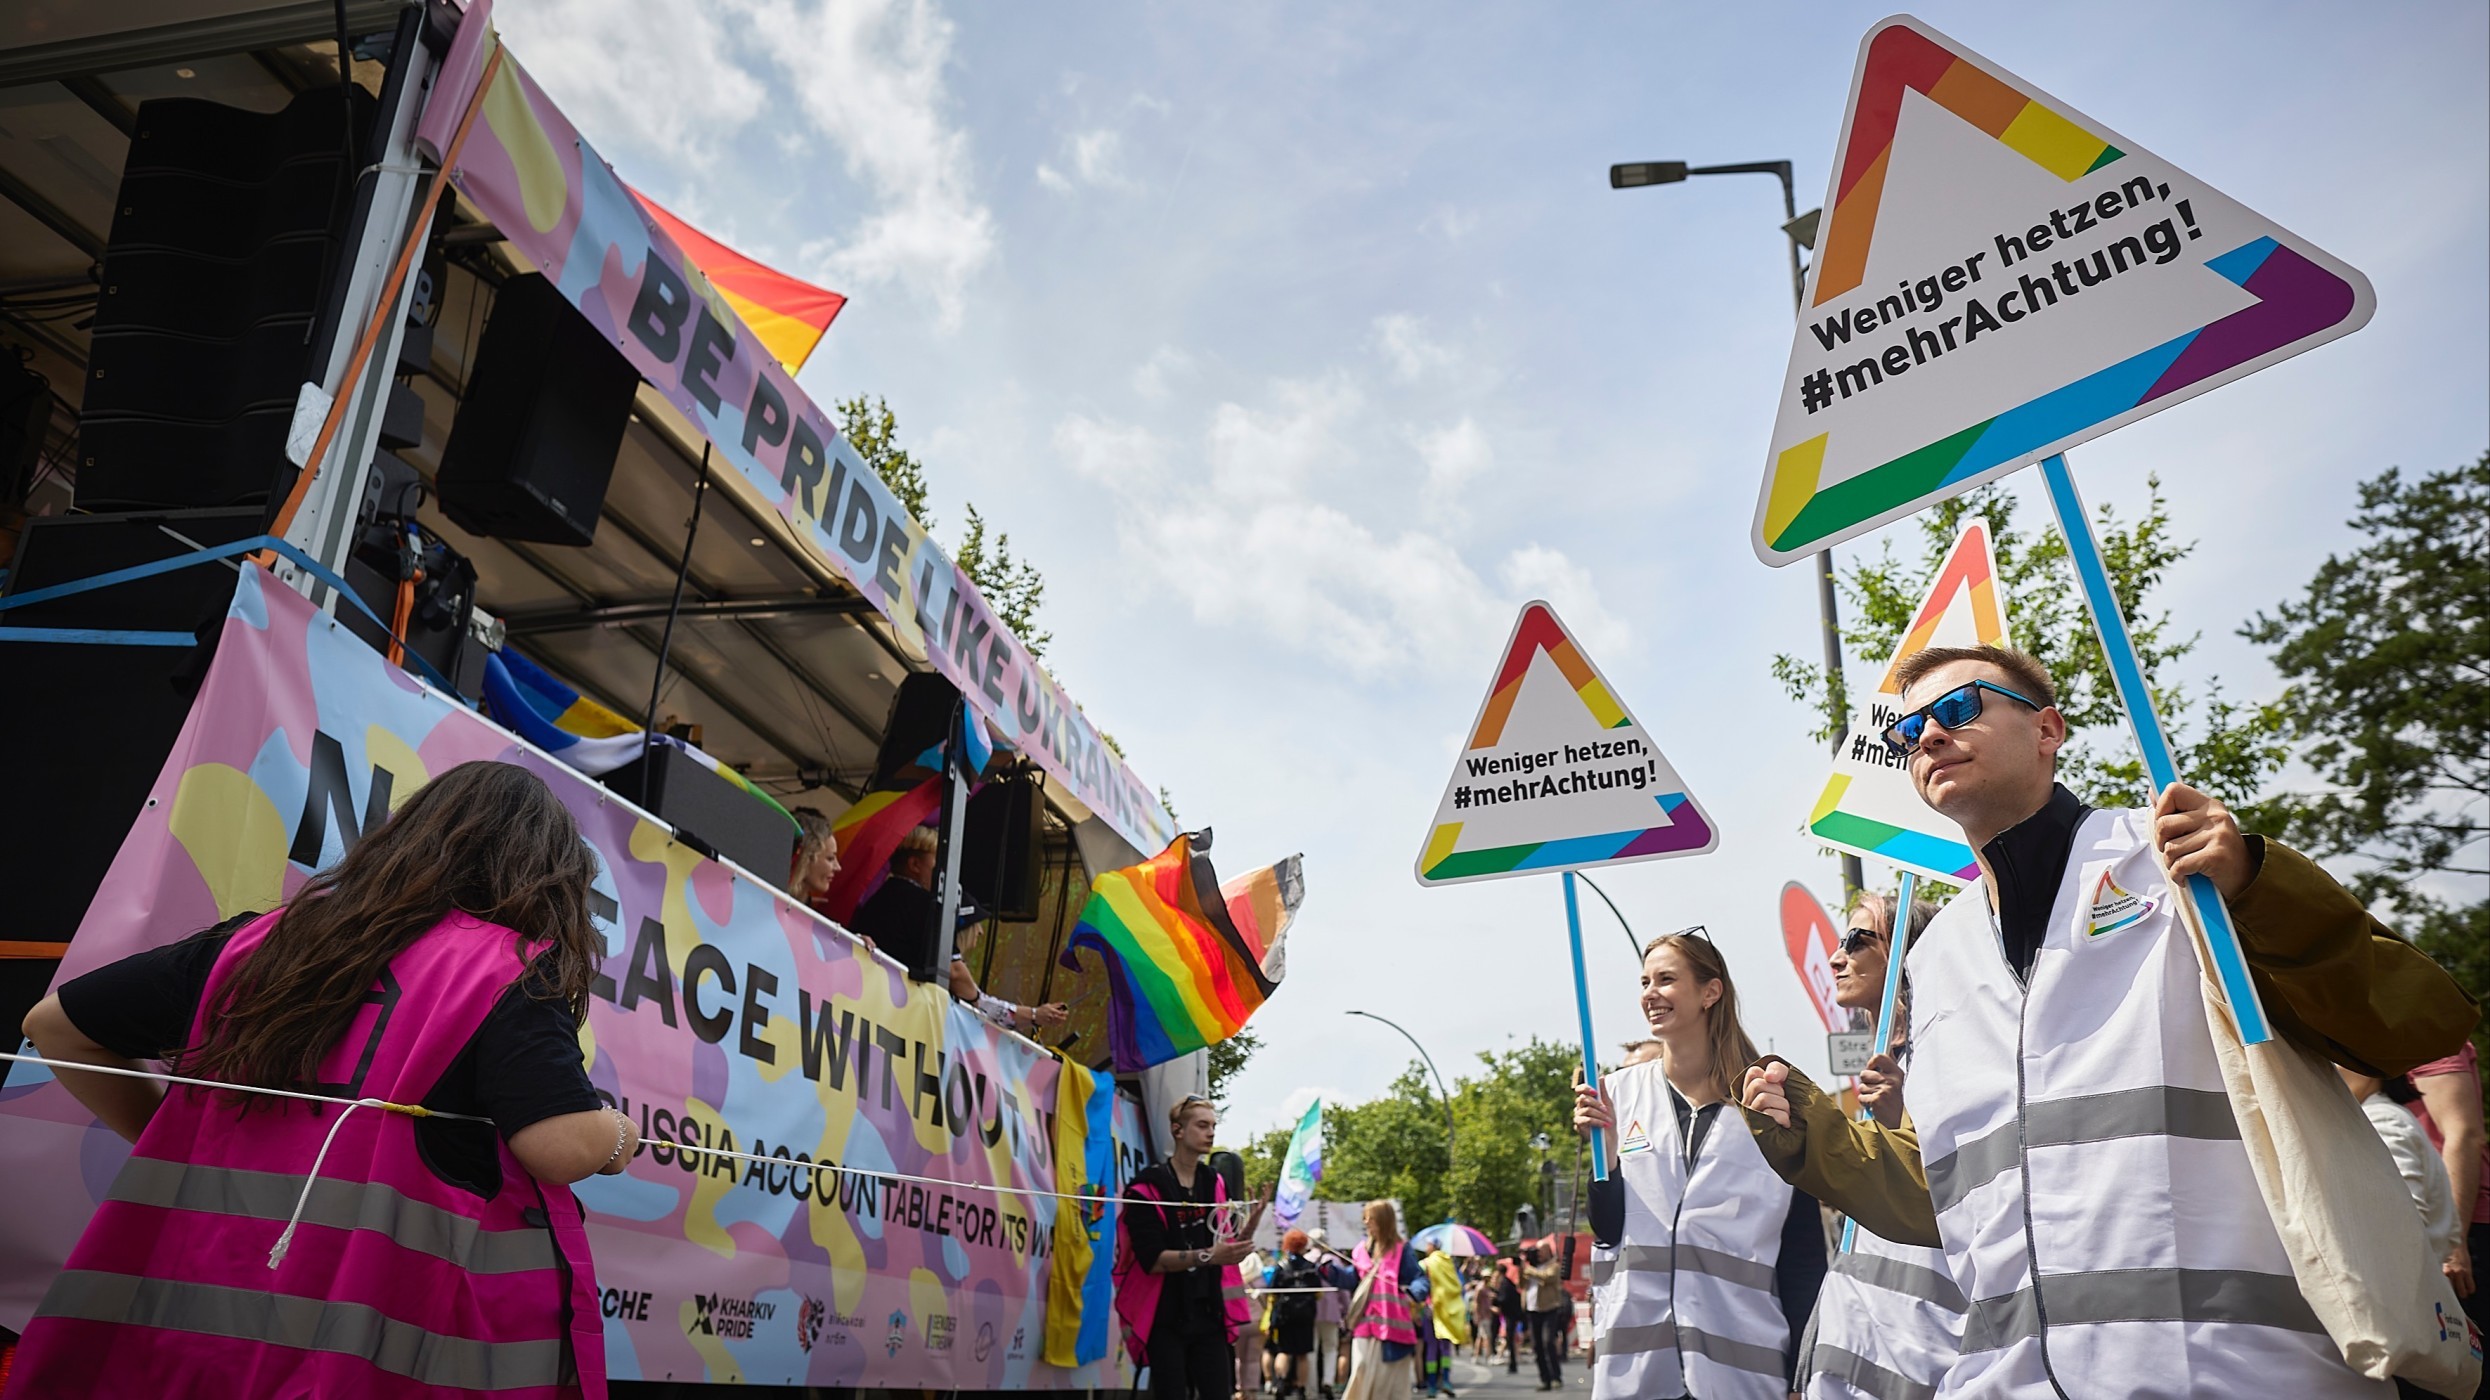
(258, 1245)
(1704, 1263)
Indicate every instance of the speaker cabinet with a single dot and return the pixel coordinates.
(94, 722)
(225, 234)
(1000, 858)
(533, 447)
(709, 812)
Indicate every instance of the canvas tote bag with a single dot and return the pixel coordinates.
(2348, 1223)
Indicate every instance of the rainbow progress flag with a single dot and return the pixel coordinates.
(1188, 960)
(787, 313)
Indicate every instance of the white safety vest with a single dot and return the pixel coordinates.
(2097, 1207)
(1888, 1323)
(1685, 1304)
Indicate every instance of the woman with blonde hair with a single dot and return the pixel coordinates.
(1383, 1320)
(1705, 1264)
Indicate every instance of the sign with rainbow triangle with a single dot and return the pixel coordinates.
(1556, 774)
(2001, 277)
(1868, 805)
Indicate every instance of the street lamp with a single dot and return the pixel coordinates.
(1800, 230)
(1439, 1093)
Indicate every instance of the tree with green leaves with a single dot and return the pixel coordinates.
(874, 429)
(2387, 659)
(1392, 1146)
(2226, 748)
(1228, 1059)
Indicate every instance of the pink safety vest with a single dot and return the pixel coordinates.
(1388, 1313)
(397, 1283)
(1137, 1289)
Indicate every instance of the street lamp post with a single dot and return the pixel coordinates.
(1630, 937)
(1800, 231)
(1440, 1093)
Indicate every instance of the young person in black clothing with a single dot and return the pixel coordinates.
(1188, 1332)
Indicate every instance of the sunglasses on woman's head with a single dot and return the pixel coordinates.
(1953, 709)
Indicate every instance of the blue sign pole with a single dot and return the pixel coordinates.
(1582, 1003)
(1900, 946)
(2230, 964)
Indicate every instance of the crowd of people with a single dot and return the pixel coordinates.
(1214, 1320)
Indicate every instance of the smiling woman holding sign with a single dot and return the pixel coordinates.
(1705, 1265)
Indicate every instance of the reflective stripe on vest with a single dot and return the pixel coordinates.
(1888, 1324)
(2077, 1133)
(342, 1205)
(1686, 1302)
(307, 1324)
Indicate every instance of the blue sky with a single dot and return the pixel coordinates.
(1299, 344)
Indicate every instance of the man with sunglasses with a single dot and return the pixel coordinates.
(2070, 1143)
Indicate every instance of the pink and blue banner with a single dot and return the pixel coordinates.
(726, 1017)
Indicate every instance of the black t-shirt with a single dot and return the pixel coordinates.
(899, 918)
(521, 1067)
(1189, 1299)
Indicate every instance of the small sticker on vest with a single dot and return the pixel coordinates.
(1635, 1140)
(2114, 908)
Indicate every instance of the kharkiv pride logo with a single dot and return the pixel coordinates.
(898, 1335)
(2114, 908)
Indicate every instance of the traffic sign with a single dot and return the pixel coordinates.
(1868, 804)
(1810, 936)
(2000, 278)
(1556, 774)
(1850, 1051)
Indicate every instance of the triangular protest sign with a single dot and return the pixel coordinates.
(1556, 774)
(1869, 806)
(2001, 277)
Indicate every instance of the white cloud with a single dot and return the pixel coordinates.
(1454, 454)
(1536, 571)
(1157, 374)
(869, 75)
(618, 68)
(1238, 533)
(1450, 222)
(1116, 455)
(1094, 158)
(1405, 346)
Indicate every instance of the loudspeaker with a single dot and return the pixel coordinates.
(1000, 856)
(25, 413)
(92, 723)
(919, 720)
(708, 812)
(225, 231)
(534, 442)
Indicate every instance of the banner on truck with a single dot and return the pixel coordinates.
(725, 1016)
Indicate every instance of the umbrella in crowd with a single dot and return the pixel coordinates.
(1459, 1241)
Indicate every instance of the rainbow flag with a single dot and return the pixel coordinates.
(789, 316)
(868, 833)
(1188, 960)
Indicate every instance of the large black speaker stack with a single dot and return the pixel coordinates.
(92, 724)
(225, 241)
(533, 448)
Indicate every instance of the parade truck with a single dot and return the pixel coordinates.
(357, 420)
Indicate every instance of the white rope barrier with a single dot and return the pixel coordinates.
(419, 1111)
